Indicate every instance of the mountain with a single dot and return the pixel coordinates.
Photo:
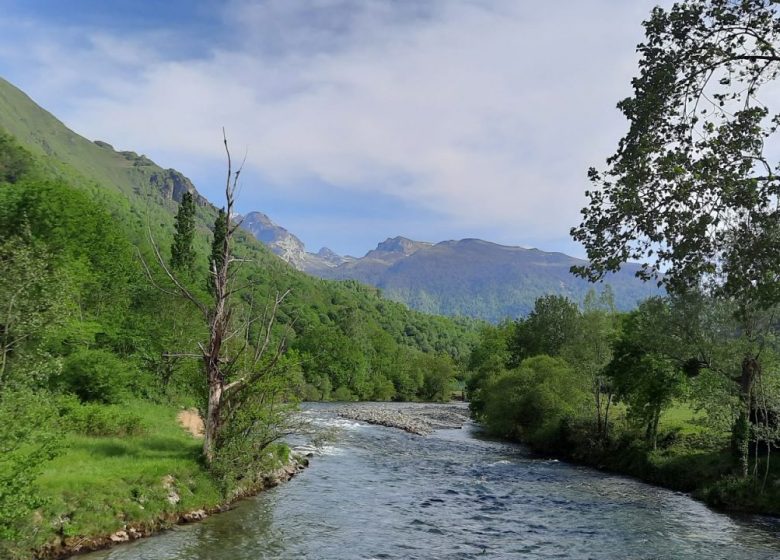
(73, 156)
(468, 277)
(474, 278)
(103, 205)
(288, 246)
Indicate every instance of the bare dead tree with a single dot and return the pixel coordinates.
(227, 374)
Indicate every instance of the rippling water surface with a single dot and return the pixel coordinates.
(376, 492)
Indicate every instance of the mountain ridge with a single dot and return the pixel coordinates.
(470, 277)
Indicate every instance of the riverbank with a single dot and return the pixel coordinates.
(685, 460)
(698, 463)
(103, 491)
(420, 419)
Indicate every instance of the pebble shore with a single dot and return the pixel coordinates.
(420, 419)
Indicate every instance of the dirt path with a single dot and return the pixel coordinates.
(191, 421)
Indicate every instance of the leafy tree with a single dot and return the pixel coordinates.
(28, 296)
(531, 401)
(217, 257)
(488, 360)
(551, 324)
(692, 185)
(28, 438)
(589, 349)
(182, 253)
(643, 373)
(438, 373)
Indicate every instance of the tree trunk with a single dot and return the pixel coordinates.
(597, 396)
(741, 433)
(212, 423)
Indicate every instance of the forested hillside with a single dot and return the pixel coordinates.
(97, 343)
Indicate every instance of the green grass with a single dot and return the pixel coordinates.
(99, 484)
(682, 418)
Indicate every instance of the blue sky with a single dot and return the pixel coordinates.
(361, 119)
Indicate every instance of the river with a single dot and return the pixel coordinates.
(373, 492)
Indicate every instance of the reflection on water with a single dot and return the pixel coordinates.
(381, 493)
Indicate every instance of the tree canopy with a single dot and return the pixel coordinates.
(692, 188)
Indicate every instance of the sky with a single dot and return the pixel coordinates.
(360, 119)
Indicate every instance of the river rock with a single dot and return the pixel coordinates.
(420, 419)
(120, 536)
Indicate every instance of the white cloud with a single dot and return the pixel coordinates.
(487, 112)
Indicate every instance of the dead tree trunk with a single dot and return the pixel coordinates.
(217, 365)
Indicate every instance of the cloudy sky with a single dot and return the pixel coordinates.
(361, 119)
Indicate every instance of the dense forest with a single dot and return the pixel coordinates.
(97, 345)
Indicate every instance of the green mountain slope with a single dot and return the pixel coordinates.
(377, 339)
(67, 152)
(476, 278)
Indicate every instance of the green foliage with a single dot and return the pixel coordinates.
(253, 420)
(438, 374)
(15, 161)
(29, 437)
(94, 419)
(28, 290)
(217, 244)
(182, 253)
(534, 400)
(96, 376)
(343, 394)
(551, 324)
(691, 182)
(642, 373)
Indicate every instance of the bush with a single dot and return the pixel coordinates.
(93, 419)
(532, 401)
(29, 437)
(343, 394)
(96, 376)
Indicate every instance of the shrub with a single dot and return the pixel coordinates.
(96, 375)
(94, 419)
(533, 400)
(343, 394)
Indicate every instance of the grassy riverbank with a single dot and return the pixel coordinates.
(106, 489)
(688, 457)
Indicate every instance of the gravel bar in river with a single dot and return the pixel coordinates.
(420, 419)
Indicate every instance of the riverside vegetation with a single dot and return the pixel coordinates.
(685, 390)
(96, 352)
(99, 350)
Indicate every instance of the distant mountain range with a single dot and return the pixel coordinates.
(469, 277)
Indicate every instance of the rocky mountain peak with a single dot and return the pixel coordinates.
(281, 241)
(332, 257)
(288, 246)
(396, 247)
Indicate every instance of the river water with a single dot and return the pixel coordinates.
(374, 492)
